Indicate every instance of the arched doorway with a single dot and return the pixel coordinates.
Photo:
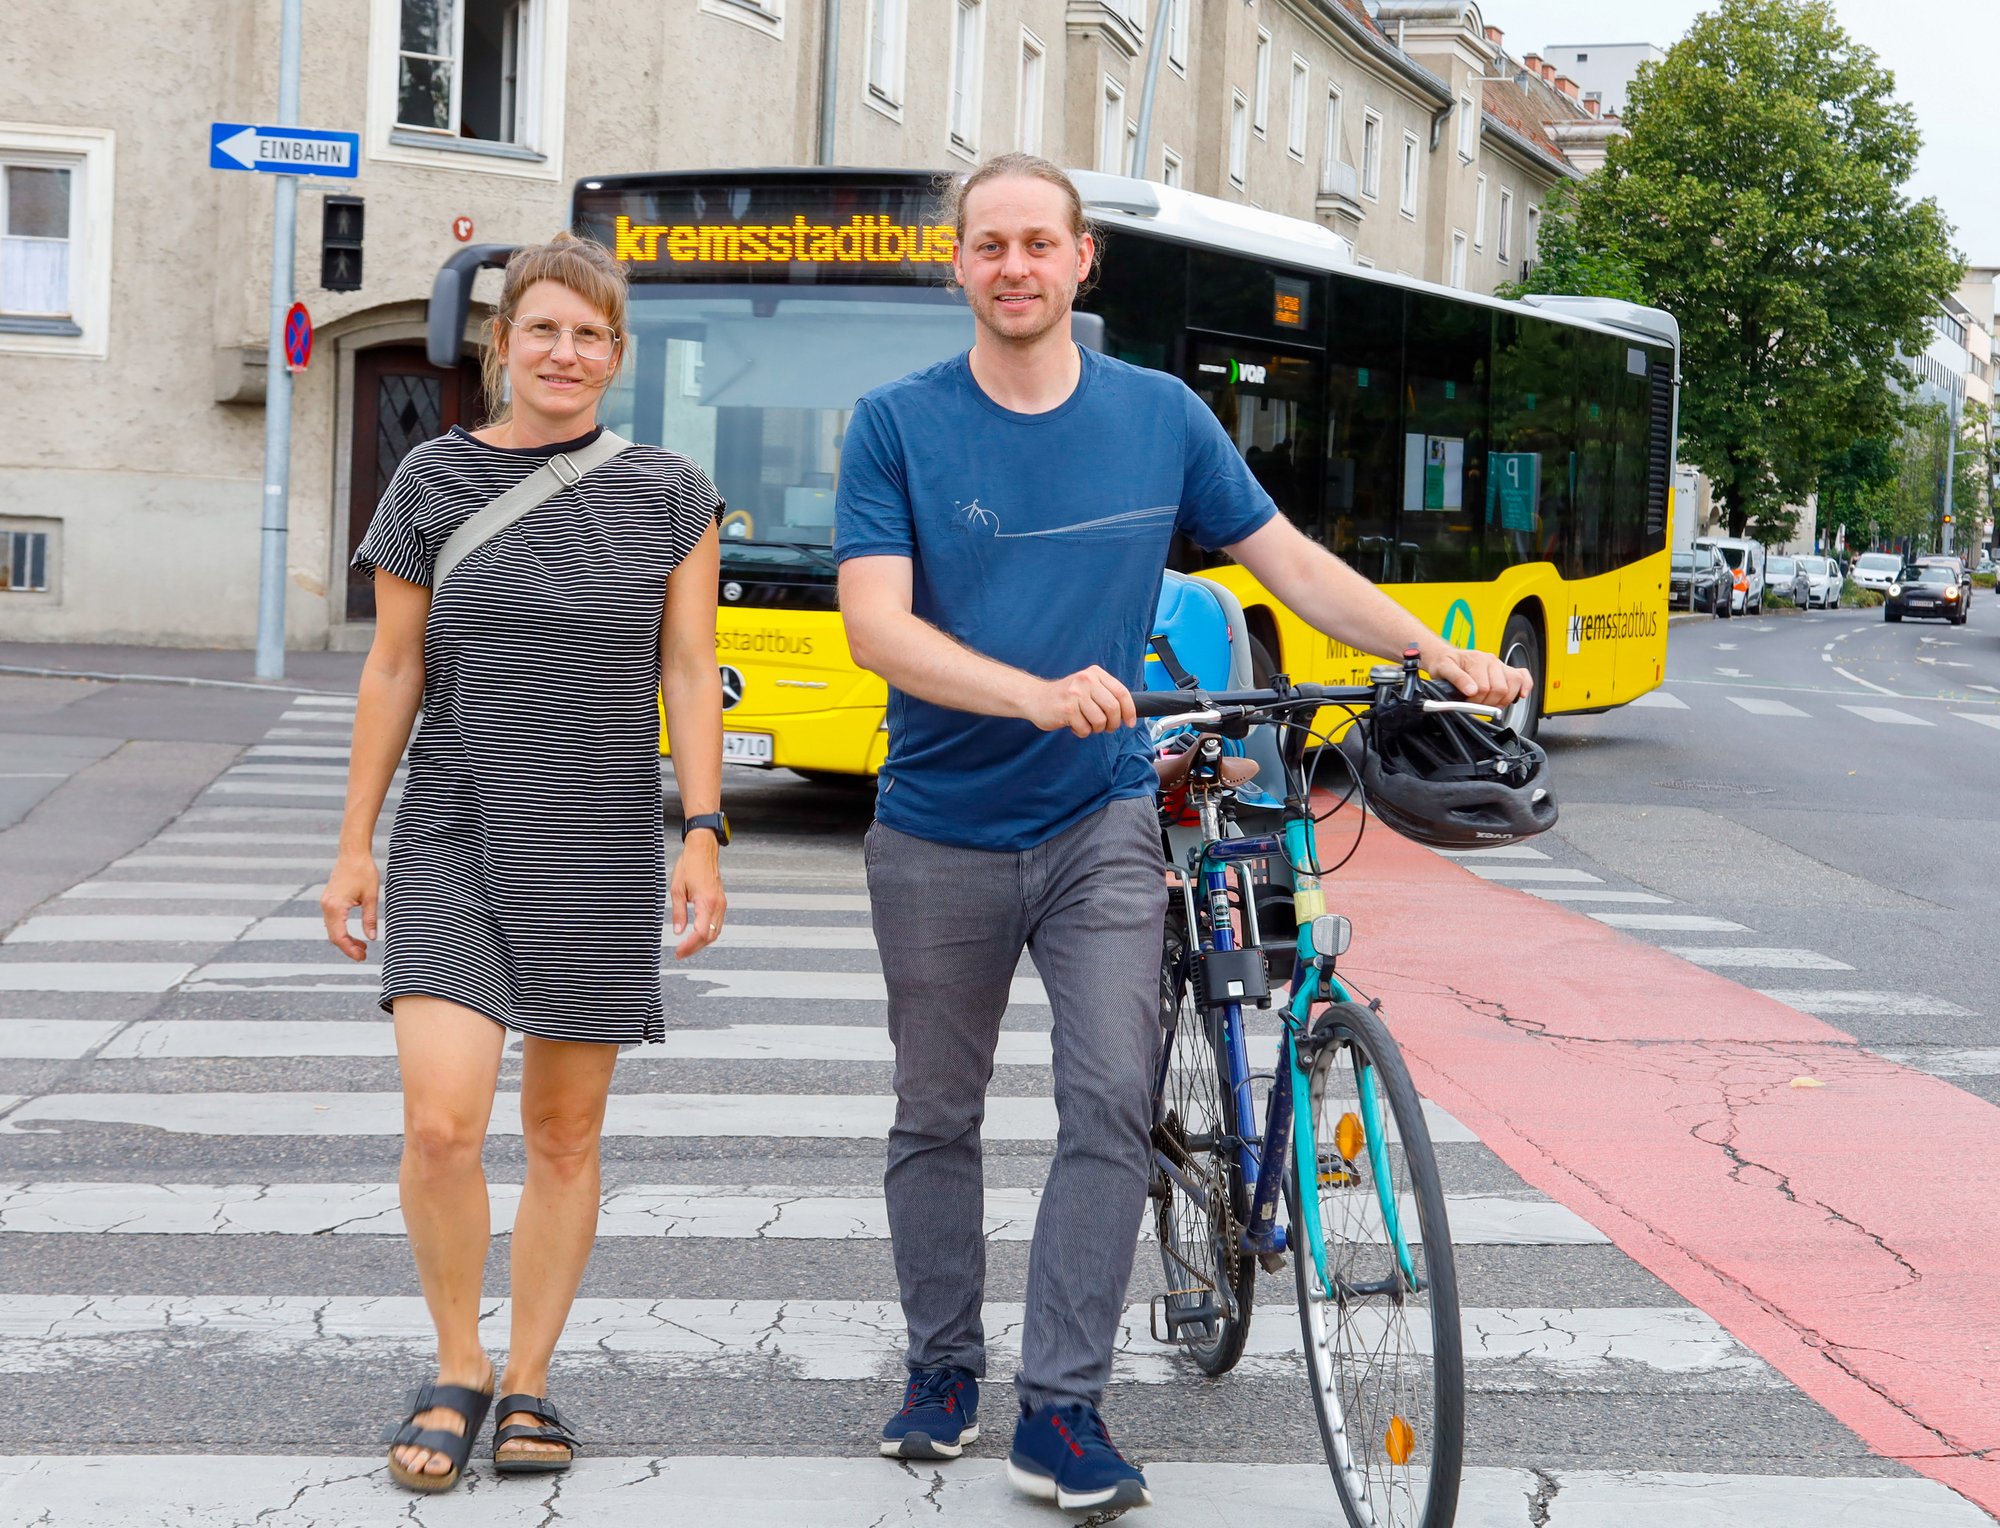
(400, 400)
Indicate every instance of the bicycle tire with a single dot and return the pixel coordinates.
(1200, 1250)
(1365, 1353)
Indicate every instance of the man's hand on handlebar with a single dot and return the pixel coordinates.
(1476, 675)
(1085, 702)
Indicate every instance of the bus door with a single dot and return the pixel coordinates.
(1270, 404)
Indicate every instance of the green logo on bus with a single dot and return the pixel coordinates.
(1451, 619)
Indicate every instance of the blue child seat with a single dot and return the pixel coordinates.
(1204, 626)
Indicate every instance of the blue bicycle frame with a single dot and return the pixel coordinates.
(1313, 981)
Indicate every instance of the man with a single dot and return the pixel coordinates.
(1002, 523)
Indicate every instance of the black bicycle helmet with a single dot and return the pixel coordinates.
(1449, 779)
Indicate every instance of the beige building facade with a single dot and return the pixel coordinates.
(134, 279)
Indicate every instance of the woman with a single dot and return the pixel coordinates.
(527, 862)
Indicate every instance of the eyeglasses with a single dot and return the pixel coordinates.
(593, 342)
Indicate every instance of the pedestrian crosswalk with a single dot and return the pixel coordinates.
(1759, 700)
(198, 1143)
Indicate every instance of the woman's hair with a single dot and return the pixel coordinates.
(582, 265)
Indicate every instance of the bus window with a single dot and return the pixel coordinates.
(1141, 292)
(1527, 490)
(1364, 421)
(1446, 355)
(1630, 477)
(1600, 359)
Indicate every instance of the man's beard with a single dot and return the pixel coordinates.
(989, 312)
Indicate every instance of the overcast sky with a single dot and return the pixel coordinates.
(1941, 52)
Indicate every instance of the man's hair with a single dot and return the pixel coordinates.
(954, 189)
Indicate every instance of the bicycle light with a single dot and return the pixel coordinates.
(1331, 934)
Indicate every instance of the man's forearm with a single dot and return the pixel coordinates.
(918, 659)
(1331, 597)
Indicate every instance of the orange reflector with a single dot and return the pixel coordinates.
(1349, 1139)
(1400, 1441)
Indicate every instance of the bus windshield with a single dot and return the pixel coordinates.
(756, 384)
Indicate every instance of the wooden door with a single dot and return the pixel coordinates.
(400, 400)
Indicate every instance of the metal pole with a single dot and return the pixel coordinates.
(1155, 48)
(1950, 469)
(829, 79)
(277, 380)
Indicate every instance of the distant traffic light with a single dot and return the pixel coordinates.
(340, 244)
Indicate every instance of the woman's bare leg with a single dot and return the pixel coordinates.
(563, 1089)
(450, 1058)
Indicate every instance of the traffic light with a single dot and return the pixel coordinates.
(340, 244)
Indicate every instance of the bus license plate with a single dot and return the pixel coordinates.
(747, 748)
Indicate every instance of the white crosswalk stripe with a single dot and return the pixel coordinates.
(1730, 957)
(1759, 706)
(1888, 716)
(278, 1269)
(1665, 700)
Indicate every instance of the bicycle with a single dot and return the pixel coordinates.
(1344, 1137)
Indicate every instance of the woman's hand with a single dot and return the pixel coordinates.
(697, 879)
(355, 882)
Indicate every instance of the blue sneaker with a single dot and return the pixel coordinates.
(1063, 1454)
(940, 1416)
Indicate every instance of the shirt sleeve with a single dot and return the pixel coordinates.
(395, 540)
(1221, 503)
(871, 509)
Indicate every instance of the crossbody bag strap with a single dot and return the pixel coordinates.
(538, 487)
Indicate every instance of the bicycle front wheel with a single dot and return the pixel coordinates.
(1200, 1205)
(1380, 1321)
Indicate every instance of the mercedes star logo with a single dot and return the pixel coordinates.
(732, 688)
(732, 592)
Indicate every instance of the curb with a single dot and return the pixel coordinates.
(178, 679)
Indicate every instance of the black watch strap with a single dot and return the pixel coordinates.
(716, 822)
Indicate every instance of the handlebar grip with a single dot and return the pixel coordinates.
(1167, 702)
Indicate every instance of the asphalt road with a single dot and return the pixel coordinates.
(205, 1265)
(1831, 782)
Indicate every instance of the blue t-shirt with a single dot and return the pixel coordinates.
(1037, 540)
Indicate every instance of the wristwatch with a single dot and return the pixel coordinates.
(715, 822)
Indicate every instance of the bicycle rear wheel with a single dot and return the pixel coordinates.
(1382, 1336)
(1210, 1280)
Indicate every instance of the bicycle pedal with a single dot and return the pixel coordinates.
(1271, 1262)
(1206, 1313)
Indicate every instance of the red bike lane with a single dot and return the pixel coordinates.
(1838, 1213)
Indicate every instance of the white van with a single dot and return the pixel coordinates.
(1746, 562)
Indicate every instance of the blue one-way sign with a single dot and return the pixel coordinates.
(283, 150)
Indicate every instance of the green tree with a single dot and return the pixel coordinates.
(1855, 482)
(1566, 262)
(1759, 199)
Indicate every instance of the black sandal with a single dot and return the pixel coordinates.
(553, 1430)
(457, 1447)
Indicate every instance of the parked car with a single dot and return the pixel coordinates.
(1700, 580)
(1876, 570)
(1818, 583)
(1929, 593)
(1781, 576)
(1957, 567)
(1746, 567)
(1986, 565)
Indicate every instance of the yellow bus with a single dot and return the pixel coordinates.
(1502, 469)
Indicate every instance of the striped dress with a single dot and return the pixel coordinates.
(527, 864)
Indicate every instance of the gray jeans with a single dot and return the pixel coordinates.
(951, 924)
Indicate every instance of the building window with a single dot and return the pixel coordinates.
(965, 48)
(887, 28)
(1479, 215)
(461, 69)
(1300, 105)
(1407, 195)
(1457, 258)
(764, 15)
(1262, 115)
(1177, 34)
(1329, 153)
(1170, 167)
(1531, 250)
(1239, 137)
(25, 563)
(1028, 99)
(1501, 240)
(55, 240)
(1371, 155)
(1111, 128)
(1466, 122)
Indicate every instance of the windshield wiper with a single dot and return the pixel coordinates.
(821, 554)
